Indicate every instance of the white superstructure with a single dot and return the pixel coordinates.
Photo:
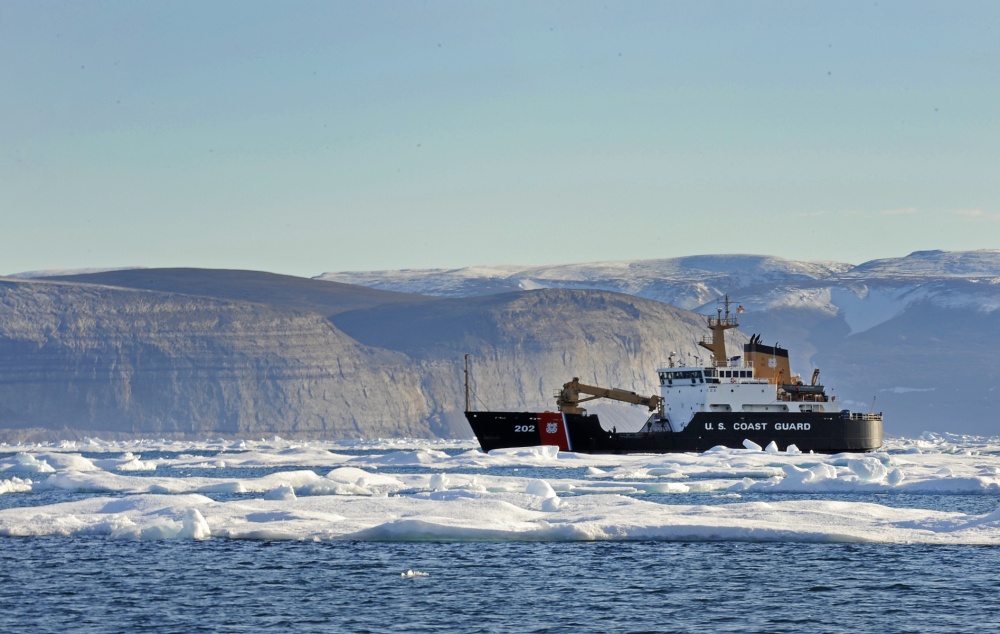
(687, 390)
(759, 381)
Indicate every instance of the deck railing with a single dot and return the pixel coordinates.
(862, 415)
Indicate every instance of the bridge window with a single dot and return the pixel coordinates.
(695, 376)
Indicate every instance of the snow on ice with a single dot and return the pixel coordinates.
(419, 490)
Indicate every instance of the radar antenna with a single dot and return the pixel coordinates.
(719, 325)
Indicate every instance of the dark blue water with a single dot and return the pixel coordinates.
(98, 585)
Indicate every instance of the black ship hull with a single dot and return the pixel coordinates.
(822, 432)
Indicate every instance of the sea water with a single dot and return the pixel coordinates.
(92, 584)
(442, 538)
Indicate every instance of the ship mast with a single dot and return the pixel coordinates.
(719, 325)
(468, 404)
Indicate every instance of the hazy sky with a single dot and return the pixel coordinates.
(300, 137)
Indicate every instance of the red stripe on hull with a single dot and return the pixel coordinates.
(552, 429)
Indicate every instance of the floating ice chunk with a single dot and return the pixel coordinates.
(551, 504)
(540, 488)
(593, 472)
(419, 457)
(544, 452)
(192, 526)
(27, 463)
(601, 487)
(895, 477)
(664, 487)
(792, 450)
(474, 486)
(283, 492)
(135, 464)
(195, 526)
(70, 462)
(751, 445)
(772, 447)
(439, 482)
(797, 476)
(360, 477)
(825, 471)
(717, 449)
(74, 481)
(223, 487)
(15, 485)
(631, 474)
(742, 485)
(868, 469)
(666, 472)
(410, 574)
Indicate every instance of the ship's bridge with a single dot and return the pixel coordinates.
(680, 376)
(729, 375)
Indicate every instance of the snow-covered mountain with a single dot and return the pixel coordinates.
(917, 336)
(687, 282)
(864, 295)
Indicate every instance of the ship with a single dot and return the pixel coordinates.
(742, 401)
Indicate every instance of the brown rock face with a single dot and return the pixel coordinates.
(195, 353)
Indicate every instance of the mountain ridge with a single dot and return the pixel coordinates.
(654, 279)
(196, 352)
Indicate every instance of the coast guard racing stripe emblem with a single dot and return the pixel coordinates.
(553, 430)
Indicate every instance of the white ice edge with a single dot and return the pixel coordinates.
(353, 500)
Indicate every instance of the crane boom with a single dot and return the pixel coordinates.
(568, 398)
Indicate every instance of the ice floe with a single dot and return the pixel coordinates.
(418, 490)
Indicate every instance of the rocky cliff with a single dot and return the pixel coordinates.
(187, 352)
